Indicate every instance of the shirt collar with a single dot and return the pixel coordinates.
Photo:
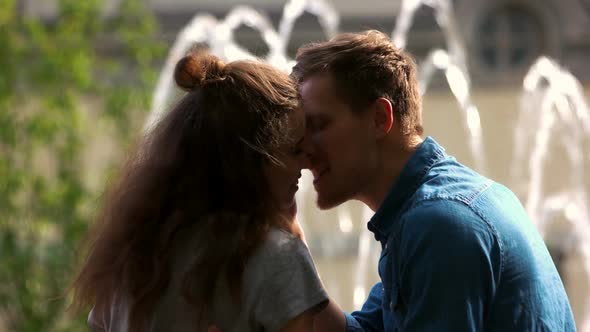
(428, 153)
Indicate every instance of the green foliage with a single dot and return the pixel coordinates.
(54, 76)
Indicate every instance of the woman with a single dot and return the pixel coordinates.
(200, 229)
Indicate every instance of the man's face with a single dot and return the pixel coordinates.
(338, 142)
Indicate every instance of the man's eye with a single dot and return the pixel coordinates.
(317, 125)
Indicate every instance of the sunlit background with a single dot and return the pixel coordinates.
(505, 85)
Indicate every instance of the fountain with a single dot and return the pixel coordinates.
(552, 100)
(553, 103)
(452, 61)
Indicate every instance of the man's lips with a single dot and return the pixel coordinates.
(295, 185)
(317, 175)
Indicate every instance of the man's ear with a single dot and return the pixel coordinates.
(382, 116)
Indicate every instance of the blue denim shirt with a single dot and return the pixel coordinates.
(459, 254)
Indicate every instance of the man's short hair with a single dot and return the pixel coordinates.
(366, 66)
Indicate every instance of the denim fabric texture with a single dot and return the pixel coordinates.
(459, 253)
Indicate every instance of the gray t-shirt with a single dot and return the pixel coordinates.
(279, 283)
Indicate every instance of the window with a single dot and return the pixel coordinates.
(510, 38)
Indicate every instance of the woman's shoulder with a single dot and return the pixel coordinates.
(282, 282)
(279, 249)
(280, 237)
(280, 242)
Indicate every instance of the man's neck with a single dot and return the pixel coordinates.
(394, 158)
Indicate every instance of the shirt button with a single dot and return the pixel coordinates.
(391, 306)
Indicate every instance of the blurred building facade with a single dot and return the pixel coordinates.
(503, 37)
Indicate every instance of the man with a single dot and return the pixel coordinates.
(459, 252)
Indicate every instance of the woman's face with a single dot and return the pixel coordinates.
(283, 178)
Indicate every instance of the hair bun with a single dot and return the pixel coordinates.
(197, 68)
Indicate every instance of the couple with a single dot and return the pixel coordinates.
(200, 229)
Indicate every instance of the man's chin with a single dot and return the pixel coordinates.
(325, 202)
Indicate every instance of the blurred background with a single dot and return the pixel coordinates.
(505, 83)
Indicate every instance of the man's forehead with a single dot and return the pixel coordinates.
(317, 86)
(310, 110)
(316, 99)
(305, 104)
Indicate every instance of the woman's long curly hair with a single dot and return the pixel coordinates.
(202, 163)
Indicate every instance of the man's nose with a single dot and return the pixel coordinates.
(305, 161)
